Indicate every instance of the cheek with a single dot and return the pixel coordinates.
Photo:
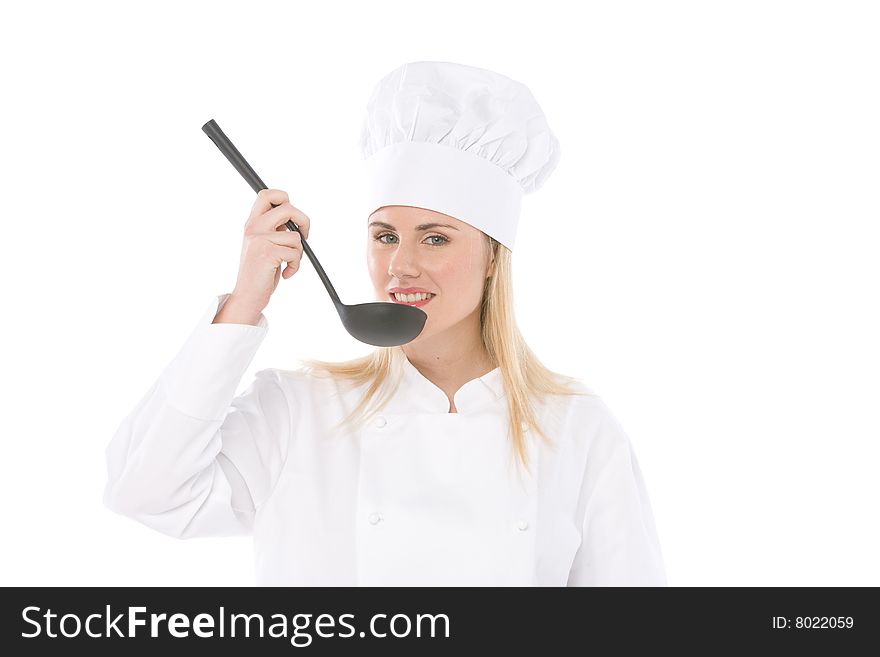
(472, 269)
(460, 277)
(377, 267)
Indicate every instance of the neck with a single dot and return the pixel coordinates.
(454, 356)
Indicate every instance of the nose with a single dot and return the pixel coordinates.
(402, 263)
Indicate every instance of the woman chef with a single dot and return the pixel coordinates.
(454, 459)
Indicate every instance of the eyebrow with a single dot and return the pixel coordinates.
(419, 227)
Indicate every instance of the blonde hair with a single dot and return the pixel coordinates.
(525, 378)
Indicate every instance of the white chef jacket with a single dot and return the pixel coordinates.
(419, 497)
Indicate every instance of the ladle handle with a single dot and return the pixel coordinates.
(241, 165)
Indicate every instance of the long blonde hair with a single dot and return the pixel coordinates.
(525, 378)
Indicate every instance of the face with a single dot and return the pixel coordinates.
(409, 247)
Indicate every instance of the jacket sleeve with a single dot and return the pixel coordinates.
(619, 544)
(192, 460)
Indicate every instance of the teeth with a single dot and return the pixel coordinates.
(411, 298)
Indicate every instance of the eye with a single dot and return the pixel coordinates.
(378, 238)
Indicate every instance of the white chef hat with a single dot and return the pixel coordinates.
(456, 139)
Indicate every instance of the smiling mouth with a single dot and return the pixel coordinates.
(417, 303)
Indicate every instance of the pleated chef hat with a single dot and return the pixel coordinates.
(460, 140)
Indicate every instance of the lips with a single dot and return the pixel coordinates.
(417, 304)
(409, 290)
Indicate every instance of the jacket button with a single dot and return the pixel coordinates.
(381, 421)
(374, 518)
(522, 525)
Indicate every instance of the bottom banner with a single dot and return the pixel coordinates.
(434, 621)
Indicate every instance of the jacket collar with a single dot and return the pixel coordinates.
(417, 392)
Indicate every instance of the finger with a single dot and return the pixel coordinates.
(286, 254)
(278, 217)
(266, 198)
(284, 237)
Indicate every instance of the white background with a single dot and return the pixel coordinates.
(705, 256)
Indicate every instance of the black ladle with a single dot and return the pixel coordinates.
(381, 324)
